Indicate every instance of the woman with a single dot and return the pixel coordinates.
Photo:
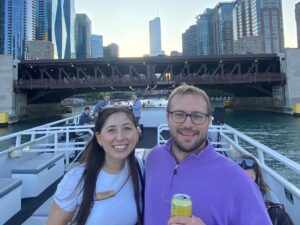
(276, 211)
(105, 187)
(251, 167)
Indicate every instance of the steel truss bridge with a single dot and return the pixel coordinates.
(47, 81)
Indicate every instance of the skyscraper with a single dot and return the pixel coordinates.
(212, 34)
(222, 28)
(261, 19)
(70, 22)
(41, 21)
(297, 14)
(60, 20)
(12, 28)
(205, 33)
(189, 41)
(83, 36)
(97, 46)
(29, 19)
(155, 37)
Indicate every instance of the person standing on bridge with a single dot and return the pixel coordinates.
(220, 190)
(106, 187)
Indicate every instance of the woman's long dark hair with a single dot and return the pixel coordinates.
(93, 158)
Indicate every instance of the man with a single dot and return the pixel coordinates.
(101, 105)
(136, 107)
(136, 110)
(85, 117)
(221, 192)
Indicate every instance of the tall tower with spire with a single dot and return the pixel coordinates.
(155, 37)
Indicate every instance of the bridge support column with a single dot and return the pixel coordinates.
(7, 76)
(14, 104)
(290, 65)
(278, 96)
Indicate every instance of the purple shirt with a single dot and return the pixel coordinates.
(221, 192)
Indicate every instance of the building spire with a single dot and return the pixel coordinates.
(157, 9)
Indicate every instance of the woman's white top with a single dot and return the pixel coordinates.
(117, 210)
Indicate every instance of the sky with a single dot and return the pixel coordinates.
(126, 22)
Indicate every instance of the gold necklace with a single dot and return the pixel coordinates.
(109, 193)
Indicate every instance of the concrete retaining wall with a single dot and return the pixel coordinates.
(7, 96)
(291, 66)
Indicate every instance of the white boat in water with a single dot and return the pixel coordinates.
(32, 162)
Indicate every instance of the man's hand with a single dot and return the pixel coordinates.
(179, 220)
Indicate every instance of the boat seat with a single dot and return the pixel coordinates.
(39, 173)
(10, 198)
(38, 163)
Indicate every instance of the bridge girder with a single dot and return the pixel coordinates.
(40, 78)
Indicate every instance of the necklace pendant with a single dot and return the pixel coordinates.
(104, 195)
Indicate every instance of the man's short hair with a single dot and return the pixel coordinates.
(86, 108)
(185, 89)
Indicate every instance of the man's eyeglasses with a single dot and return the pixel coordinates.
(198, 118)
(245, 163)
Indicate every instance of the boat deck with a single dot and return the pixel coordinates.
(63, 138)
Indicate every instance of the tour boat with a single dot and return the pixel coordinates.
(33, 161)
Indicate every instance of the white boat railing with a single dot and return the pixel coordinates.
(234, 137)
(59, 136)
(26, 138)
(48, 138)
(64, 136)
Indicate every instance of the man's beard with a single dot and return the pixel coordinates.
(199, 143)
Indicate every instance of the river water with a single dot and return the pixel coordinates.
(278, 131)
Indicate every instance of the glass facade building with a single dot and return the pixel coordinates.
(205, 33)
(60, 21)
(189, 41)
(97, 46)
(41, 21)
(12, 28)
(260, 18)
(83, 36)
(223, 28)
(70, 21)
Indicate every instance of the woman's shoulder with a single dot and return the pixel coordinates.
(78, 170)
(74, 174)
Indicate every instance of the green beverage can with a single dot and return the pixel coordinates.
(181, 205)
